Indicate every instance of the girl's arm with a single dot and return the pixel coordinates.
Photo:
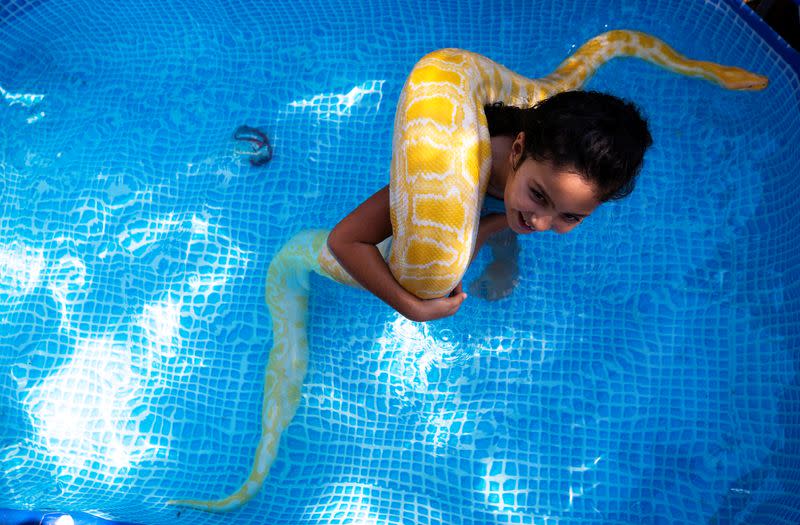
(489, 225)
(354, 244)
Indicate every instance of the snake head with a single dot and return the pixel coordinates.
(741, 80)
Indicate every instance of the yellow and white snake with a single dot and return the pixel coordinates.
(440, 170)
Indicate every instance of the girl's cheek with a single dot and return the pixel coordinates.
(567, 227)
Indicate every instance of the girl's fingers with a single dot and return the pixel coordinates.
(432, 309)
(456, 300)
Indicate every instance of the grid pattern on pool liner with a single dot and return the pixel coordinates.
(642, 371)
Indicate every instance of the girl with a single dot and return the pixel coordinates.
(551, 166)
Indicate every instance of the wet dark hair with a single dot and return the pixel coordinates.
(602, 137)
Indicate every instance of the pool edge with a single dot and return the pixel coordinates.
(769, 35)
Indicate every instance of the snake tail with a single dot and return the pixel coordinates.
(287, 293)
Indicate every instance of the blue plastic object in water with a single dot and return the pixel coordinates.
(28, 517)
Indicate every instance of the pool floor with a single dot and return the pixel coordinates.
(644, 369)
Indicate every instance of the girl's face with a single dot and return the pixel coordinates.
(540, 197)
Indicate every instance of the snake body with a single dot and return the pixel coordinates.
(439, 175)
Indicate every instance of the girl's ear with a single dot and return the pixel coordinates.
(518, 150)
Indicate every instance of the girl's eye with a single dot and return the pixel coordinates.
(573, 219)
(538, 196)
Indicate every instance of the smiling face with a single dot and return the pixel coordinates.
(540, 197)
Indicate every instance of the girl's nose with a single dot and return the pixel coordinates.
(541, 223)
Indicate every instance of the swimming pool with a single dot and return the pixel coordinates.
(643, 371)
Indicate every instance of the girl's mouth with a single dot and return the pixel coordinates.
(523, 225)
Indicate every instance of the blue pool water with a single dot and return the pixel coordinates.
(643, 371)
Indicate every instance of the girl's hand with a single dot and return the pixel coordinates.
(422, 310)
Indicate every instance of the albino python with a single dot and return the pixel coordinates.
(439, 174)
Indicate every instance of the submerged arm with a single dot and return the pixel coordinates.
(489, 225)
